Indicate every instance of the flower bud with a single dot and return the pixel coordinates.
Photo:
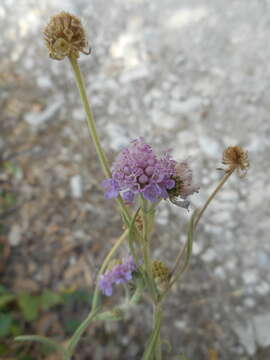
(65, 36)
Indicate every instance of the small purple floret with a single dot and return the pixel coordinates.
(120, 273)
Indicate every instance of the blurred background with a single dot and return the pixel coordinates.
(191, 75)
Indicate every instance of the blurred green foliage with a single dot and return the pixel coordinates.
(19, 312)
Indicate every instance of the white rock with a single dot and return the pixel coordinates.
(44, 82)
(186, 107)
(262, 329)
(36, 119)
(249, 302)
(209, 255)
(220, 272)
(118, 136)
(136, 73)
(14, 236)
(209, 146)
(263, 288)
(246, 337)
(76, 186)
(250, 277)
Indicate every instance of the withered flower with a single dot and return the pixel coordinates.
(161, 274)
(65, 36)
(236, 159)
(183, 187)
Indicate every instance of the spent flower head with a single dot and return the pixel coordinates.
(138, 170)
(161, 274)
(65, 36)
(118, 273)
(236, 159)
(183, 185)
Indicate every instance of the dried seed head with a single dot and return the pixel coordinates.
(161, 274)
(65, 36)
(236, 158)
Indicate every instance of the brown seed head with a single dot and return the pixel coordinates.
(65, 36)
(236, 158)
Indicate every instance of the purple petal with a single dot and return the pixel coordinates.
(151, 193)
(112, 188)
(128, 196)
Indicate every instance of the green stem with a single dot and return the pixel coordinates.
(196, 218)
(146, 250)
(78, 333)
(211, 197)
(157, 318)
(92, 127)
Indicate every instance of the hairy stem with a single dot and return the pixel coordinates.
(157, 318)
(92, 127)
(146, 250)
(211, 197)
(78, 333)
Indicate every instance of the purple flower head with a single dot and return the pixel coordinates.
(120, 273)
(138, 170)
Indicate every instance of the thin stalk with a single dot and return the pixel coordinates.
(157, 318)
(211, 197)
(78, 333)
(146, 250)
(92, 127)
(195, 224)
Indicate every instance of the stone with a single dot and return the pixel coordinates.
(76, 187)
(246, 336)
(14, 236)
(262, 329)
(36, 119)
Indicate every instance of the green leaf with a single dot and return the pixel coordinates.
(3, 349)
(3, 290)
(29, 304)
(43, 340)
(6, 299)
(5, 324)
(50, 299)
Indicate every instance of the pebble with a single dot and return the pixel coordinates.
(245, 334)
(36, 119)
(262, 329)
(15, 235)
(76, 187)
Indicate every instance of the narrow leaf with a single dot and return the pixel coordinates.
(43, 340)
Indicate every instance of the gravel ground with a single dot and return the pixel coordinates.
(192, 76)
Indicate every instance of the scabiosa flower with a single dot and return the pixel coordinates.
(183, 185)
(65, 36)
(117, 274)
(138, 170)
(236, 158)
